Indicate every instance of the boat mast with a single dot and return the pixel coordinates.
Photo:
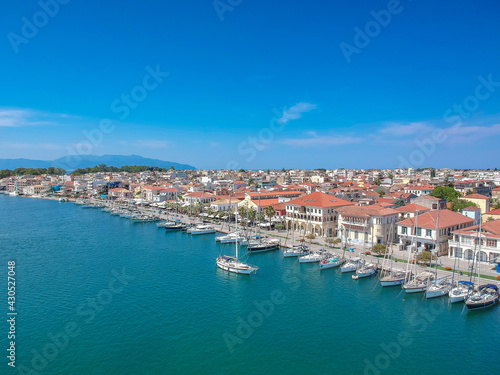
(436, 247)
(455, 262)
(236, 230)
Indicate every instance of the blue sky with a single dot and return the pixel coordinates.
(256, 84)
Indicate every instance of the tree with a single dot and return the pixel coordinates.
(242, 211)
(460, 204)
(333, 241)
(433, 173)
(490, 218)
(379, 249)
(250, 182)
(251, 214)
(496, 206)
(400, 202)
(377, 183)
(391, 176)
(381, 193)
(270, 212)
(445, 192)
(425, 257)
(242, 170)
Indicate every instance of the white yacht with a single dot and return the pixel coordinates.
(441, 287)
(310, 258)
(295, 251)
(202, 229)
(461, 291)
(367, 270)
(351, 265)
(331, 262)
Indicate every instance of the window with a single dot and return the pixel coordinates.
(429, 233)
(404, 230)
(419, 231)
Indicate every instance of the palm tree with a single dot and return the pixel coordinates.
(251, 214)
(270, 212)
(242, 211)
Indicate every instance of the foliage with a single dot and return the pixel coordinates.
(270, 212)
(126, 168)
(242, 211)
(31, 171)
(377, 183)
(445, 192)
(460, 204)
(379, 249)
(490, 218)
(400, 202)
(381, 193)
(311, 236)
(333, 241)
(496, 206)
(391, 176)
(425, 256)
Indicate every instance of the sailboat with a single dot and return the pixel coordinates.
(462, 288)
(388, 275)
(260, 244)
(332, 261)
(442, 285)
(418, 283)
(368, 269)
(485, 295)
(233, 264)
(295, 250)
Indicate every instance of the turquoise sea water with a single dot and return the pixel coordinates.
(171, 311)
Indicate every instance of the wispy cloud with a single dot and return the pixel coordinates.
(322, 141)
(296, 112)
(22, 117)
(468, 131)
(401, 130)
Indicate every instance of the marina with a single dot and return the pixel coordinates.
(165, 264)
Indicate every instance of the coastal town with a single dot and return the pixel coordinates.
(436, 210)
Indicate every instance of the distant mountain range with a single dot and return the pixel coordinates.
(72, 162)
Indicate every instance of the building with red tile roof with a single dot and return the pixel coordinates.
(469, 244)
(315, 213)
(422, 230)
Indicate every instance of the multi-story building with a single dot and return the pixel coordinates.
(431, 228)
(314, 213)
(482, 201)
(469, 243)
(430, 202)
(368, 224)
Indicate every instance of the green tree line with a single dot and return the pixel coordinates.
(125, 168)
(31, 171)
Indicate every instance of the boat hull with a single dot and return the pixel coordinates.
(392, 282)
(234, 269)
(481, 305)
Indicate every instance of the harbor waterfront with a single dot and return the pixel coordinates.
(99, 294)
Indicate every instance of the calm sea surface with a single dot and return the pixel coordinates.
(98, 294)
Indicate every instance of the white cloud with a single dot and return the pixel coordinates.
(22, 117)
(402, 130)
(296, 112)
(467, 131)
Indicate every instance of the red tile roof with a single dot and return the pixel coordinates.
(475, 196)
(428, 220)
(494, 212)
(319, 199)
(471, 208)
(366, 211)
(413, 207)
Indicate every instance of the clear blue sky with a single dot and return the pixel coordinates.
(271, 71)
